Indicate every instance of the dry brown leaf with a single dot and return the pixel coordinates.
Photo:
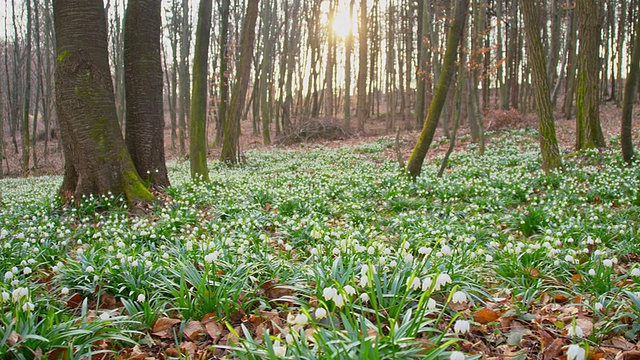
(75, 300)
(631, 355)
(586, 325)
(576, 278)
(214, 330)
(132, 354)
(560, 298)
(554, 350)
(190, 348)
(14, 338)
(533, 272)
(486, 315)
(162, 327)
(107, 301)
(194, 330)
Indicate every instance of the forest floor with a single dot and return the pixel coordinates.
(374, 128)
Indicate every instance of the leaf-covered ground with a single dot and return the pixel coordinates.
(333, 254)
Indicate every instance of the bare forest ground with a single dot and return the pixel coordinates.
(374, 128)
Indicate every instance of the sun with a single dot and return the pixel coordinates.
(342, 24)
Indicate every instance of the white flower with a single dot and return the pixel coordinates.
(291, 319)
(425, 250)
(459, 297)
(350, 290)
(28, 306)
(8, 275)
(64, 290)
(413, 283)
(89, 269)
(301, 320)
(210, 257)
(142, 298)
(461, 326)
(27, 270)
(105, 316)
(457, 355)
(364, 297)
(426, 283)
(279, 350)
(635, 272)
(575, 330)
(431, 304)
(575, 352)
(446, 250)
(442, 279)
(339, 300)
(592, 272)
(314, 251)
(321, 313)
(569, 259)
(599, 306)
(329, 293)
(5, 296)
(364, 281)
(607, 263)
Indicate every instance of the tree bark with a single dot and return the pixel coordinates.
(535, 54)
(143, 88)
(224, 70)
(96, 159)
(230, 144)
(588, 129)
(362, 66)
(435, 109)
(198, 118)
(630, 89)
(421, 75)
(347, 71)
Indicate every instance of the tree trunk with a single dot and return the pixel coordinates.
(588, 129)
(224, 70)
(96, 159)
(362, 66)
(347, 71)
(185, 98)
(448, 68)
(573, 64)
(535, 55)
(421, 75)
(26, 139)
(230, 144)
(143, 88)
(630, 89)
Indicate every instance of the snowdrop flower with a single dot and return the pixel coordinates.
(364, 281)
(575, 352)
(635, 272)
(607, 263)
(431, 304)
(291, 319)
(279, 350)
(457, 355)
(461, 326)
(569, 259)
(301, 320)
(364, 297)
(211, 257)
(27, 270)
(64, 290)
(426, 283)
(339, 301)
(442, 279)
(575, 330)
(321, 313)
(599, 306)
(8, 275)
(459, 297)
(314, 251)
(425, 250)
(329, 293)
(446, 250)
(142, 298)
(592, 272)
(413, 283)
(5, 296)
(89, 269)
(350, 290)
(105, 316)
(28, 306)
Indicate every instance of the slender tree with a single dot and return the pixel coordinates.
(422, 63)
(230, 143)
(144, 134)
(588, 129)
(439, 97)
(347, 70)
(630, 89)
(26, 139)
(224, 69)
(96, 159)
(362, 66)
(535, 55)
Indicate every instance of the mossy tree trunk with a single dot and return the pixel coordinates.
(224, 69)
(630, 89)
(535, 55)
(96, 159)
(231, 129)
(144, 134)
(198, 118)
(439, 97)
(423, 51)
(588, 129)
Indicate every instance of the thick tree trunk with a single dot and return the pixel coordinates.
(630, 89)
(588, 129)
(448, 68)
(143, 87)
(535, 55)
(198, 118)
(224, 70)
(96, 159)
(185, 97)
(230, 144)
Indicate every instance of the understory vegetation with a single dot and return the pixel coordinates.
(333, 253)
